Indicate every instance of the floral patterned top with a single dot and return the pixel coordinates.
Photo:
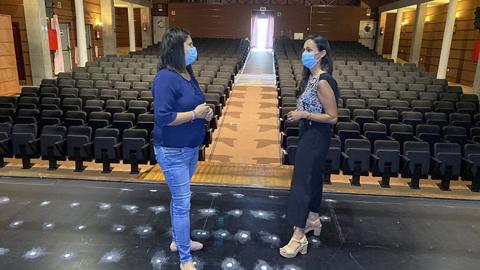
(308, 100)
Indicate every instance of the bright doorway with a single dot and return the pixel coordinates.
(262, 30)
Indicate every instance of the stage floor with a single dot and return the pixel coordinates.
(58, 224)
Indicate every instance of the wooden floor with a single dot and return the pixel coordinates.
(240, 175)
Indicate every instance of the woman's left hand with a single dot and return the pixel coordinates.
(296, 115)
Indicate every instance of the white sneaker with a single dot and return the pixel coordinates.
(194, 246)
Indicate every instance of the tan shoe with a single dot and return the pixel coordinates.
(313, 225)
(187, 266)
(194, 246)
(294, 247)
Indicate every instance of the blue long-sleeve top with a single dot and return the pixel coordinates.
(173, 94)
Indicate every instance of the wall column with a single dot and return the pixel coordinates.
(145, 14)
(37, 34)
(380, 37)
(476, 81)
(416, 47)
(108, 30)
(396, 35)
(81, 36)
(447, 40)
(131, 27)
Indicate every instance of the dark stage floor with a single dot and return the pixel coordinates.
(48, 224)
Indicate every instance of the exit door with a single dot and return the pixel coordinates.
(66, 50)
(89, 38)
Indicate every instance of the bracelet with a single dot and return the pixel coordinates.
(194, 115)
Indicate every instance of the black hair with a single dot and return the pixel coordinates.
(172, 52)
(326, 63)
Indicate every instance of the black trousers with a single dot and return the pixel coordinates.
(307, 181)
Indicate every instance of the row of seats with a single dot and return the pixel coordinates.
(415, 160)
(77, 143)
(96, 114)
(385, 106)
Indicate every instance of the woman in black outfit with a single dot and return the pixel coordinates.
(316, 112)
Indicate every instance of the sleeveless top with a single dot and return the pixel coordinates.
(308, 100)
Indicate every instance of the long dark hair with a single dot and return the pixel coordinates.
(326, 63)
(172, 52)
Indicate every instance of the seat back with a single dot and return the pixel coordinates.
(22, 135)
(358, 152)
(133, 141)
(77, 137)
(419, 155)
(51, 135)
(333, 155)
(104, 142)
(389, 154)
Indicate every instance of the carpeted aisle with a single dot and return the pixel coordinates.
(249, 129)
(248, 132)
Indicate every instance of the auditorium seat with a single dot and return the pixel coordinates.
(107, 147)
(356, 159)
(25, 143)
(447, 158)
(135, 148)
(5, 142)
(386, 160)
(471, 165)
(333, 159)
(52, 145)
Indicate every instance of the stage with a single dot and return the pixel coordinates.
(62, 224)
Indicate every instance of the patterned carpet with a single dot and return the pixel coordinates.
(249, 129)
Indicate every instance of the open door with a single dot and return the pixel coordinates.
(17, 41)
(262, 30)
(89, 39)
(66, 49)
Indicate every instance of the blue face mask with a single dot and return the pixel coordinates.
(308, 59)
(191, 56)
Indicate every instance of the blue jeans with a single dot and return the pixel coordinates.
(178, 166)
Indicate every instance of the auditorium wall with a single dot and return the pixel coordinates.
(66, 14)
(121, 25)
(388, 33)
(9, 83)
(461, 68)
(234, 20)
(14, 8)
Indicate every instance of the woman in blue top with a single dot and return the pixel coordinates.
(180, 118)
(317, 112)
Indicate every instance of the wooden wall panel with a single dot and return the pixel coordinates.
(121, 21)
(388, 33)
(204, 20)
(138, 27)
(66, 14)
(9, 84)
(121, 26)
(461, 68)
(234, 21)
(336, 23)
(14, 8)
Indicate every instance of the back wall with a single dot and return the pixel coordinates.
(234, 20)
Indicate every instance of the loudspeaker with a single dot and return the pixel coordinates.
(476, 23)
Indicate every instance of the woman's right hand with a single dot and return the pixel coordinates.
(202, 111)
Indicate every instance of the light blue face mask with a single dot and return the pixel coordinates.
(308, 60)
(191, 56)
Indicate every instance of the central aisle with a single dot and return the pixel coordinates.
(249, 130)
